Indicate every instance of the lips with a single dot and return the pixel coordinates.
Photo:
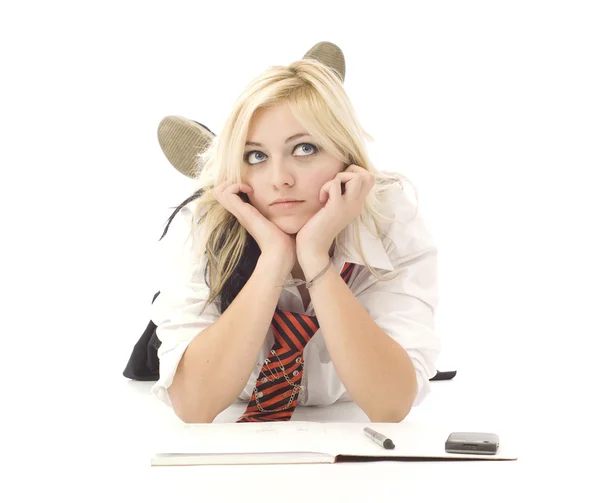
(286, 202)
(285, 206)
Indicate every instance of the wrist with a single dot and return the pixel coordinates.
(273, 266)
(313, 265)
(323, 272)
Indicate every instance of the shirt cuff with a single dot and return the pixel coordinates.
(168, 363)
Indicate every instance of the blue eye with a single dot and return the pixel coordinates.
(300, 150)
(255, 155)
(306, 149)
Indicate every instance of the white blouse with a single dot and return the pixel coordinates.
(402, 307)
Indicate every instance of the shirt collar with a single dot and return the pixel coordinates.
(373, 248)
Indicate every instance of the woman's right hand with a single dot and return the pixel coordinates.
(270, 238)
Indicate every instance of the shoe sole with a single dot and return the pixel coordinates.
(330, 55)
(182, 140)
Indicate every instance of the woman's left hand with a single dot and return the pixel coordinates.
(316, 236)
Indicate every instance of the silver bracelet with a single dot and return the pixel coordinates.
(311, 282)
(298, 282)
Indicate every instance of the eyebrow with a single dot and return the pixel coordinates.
(291, 138)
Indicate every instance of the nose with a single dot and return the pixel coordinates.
(281, 173)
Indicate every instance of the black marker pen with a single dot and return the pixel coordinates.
(379, 438)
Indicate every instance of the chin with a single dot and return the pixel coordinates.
(289, 226)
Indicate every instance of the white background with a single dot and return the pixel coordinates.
(491, 108)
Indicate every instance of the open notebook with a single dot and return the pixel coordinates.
(305, 442)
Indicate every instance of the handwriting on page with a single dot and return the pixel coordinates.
(292, 436)
(301, 428)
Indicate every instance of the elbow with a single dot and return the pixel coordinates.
(186, 409)
(194, 417)
(397, 410)
(392, 415)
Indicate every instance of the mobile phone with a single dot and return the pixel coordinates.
(472, 443)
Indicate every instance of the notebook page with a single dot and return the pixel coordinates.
(232, 438)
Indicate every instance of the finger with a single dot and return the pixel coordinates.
(228, 195)
(232, 196)
(367, 177)
(367, 181)
(235, 188)
(218, 189)
(353, 188)
(335, 190)
(352, 171)
(345, 176)
(324, 192)
(353, 185)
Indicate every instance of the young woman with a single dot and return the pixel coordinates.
(308, 276)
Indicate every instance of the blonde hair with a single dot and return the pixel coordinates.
(319, 102)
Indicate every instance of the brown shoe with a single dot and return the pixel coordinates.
(181, 141)
(330, 55)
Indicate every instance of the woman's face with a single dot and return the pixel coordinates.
(283, 162)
